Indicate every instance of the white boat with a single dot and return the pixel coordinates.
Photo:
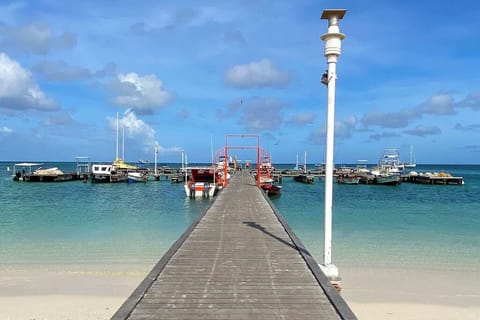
(137, 176)
(412, 163)
(107, 173)
(348, 179)
(266, 178)
(303, 176)
(388, 179)
(221, 165)
(33, 172)
(119, 170)
(202, 183)
(21, 171)
(390, 163)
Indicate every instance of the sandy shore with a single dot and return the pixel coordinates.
(372, 293)
(412, 294)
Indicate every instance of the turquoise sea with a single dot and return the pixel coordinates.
(75, 223)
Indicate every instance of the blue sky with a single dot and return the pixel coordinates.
(184, 74)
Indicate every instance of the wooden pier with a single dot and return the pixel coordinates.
(239, 260)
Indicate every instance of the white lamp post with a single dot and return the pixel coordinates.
(333, 39)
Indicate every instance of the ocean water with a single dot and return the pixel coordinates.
(432, 227)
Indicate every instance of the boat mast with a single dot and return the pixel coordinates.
(186, 167)
(156, 157)
(116, 141)
(305, 162)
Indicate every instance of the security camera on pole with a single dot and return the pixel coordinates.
(333, 39)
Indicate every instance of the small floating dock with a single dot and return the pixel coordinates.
(440, 178)
(239, 260)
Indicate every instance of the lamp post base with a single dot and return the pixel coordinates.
(331, 272)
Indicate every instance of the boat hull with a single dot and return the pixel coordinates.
(392, 180)
(134, 177)
(271, 189)
(348, 179)
(304, 178)
(200, 190)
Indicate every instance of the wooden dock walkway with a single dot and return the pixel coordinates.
(239, 260)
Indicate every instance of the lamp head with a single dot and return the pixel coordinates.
(324, 79)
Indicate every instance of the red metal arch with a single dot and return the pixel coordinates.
(227, 147)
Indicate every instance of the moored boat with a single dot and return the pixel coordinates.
(412, 163)
(390, 162)
(304, 178)
(33, 172)
(348, 179)
(136, 176)
(107, 173)
(202, 183)
(266, 170)
(271, 189)
(23, 170)
(388, 179)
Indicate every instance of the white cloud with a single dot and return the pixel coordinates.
(162, 149)
(35, 38)
(262, 114)
(141, 94)
(470, 127)
(62, 71)
(383, 135)
(134, 127)
(234, 36)
(422, 131)
(388, 119)
(18, 90)
(442, 104)
(256, 74)
(5, 130)
(138, 130)
(471, 101)
(301, 119)
(344, 129)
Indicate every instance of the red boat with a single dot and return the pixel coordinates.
(266, 177)
(271, 189)
(203, 183)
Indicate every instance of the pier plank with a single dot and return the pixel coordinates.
(238, 261)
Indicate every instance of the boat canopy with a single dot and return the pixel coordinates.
(27, 164)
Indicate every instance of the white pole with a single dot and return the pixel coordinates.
(332, 40)
(156, 158)
(327, 255)
(305, 162)
(186, 168)
(116, 141)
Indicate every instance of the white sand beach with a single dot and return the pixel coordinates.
(412, 294)
(53, 294)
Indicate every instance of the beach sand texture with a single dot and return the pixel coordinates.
(371, 293)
